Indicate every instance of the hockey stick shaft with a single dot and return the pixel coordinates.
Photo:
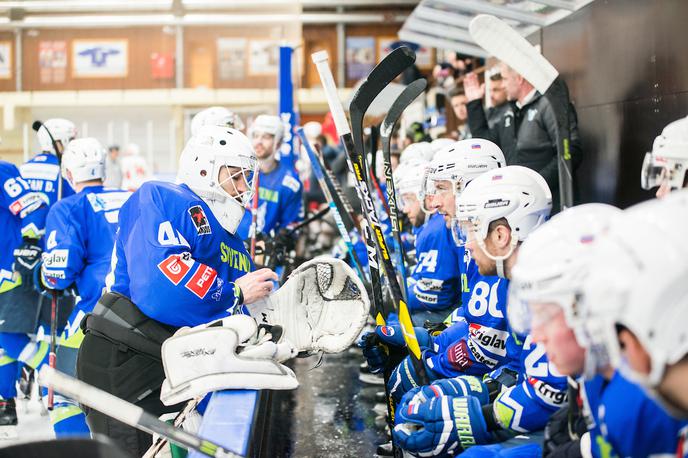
(331, 203)
(157, 446)
(127, 413)
(356, 164)
(52, 356)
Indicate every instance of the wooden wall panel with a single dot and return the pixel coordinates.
(318, 38)
(143, 41)
(8, 84)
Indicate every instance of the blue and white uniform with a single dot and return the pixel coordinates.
(623, 421)
(80, 235)
(434, 282)
(280, 201)
(174, 260)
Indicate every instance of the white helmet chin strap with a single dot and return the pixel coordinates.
(499, 260)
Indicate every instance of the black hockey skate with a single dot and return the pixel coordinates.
(8, 412)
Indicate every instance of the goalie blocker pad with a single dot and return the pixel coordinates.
(229, 354)
(322, 307)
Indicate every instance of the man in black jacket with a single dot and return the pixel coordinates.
(527, 133)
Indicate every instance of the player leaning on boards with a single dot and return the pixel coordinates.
(176, 263)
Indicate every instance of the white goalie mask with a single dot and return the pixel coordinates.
(550, 272)
(668, 160)
(637, 280)
(83, 160)
(517, 194)
(216, 159)
(62, 130)
(216, 116)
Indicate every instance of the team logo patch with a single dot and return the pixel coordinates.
(176, 266)
(387, 331)
(201, 281)
(458, 356)
(497, 203)
(490, 339)
(200, 220)
(56, 259)
(548, 393)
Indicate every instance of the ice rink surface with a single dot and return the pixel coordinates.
(34, 423)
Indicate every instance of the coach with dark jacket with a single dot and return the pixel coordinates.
(527, 131)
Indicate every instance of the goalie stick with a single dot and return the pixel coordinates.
(334, 207)
(390, 67)
(507, 45)
(409, 94)
(127, 413)
(52, 356)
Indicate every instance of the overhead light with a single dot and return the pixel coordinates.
(97, 20)
(94, 5)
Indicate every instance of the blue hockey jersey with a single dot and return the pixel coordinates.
(80, 234)
(22, 213)
(539, 392)
(624, 422)
(280, 202)
(434, 282)
(173, 259)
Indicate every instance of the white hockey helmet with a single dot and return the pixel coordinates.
(408, 179)
(313, 130)
(268, 124)
(517, 194)
(668, 159)
(415, 151)
(552, 267)
(84, 159)
(441, 143)
(62, 130)
(640, 284)
(216, 116)
(201, 161)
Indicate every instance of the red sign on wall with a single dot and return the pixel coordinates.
(162, 65)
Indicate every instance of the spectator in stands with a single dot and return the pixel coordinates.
(458, 100)
(527, 130)
(113, 170)
(498, 100)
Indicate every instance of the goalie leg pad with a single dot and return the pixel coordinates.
(204, 359)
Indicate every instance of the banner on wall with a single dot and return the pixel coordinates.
(264, 57)
(360, 57)
(100, 58)
(231, 58)
(5, 59)
(52, 61)
(162, 65)
(424, 55)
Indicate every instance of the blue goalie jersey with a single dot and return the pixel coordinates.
(434, 282)
(80, 234)
(173, 259)
(280, 202)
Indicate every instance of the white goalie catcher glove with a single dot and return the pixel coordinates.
(322, 307)
(233, 353)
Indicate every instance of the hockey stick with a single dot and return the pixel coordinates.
(409, 94)
(390, 67)
(254, 217)
(343, 230)
(52, 356)
(177, 422)
(507, 45)
(127, 413)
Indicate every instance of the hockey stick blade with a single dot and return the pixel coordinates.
(507, 45)
(406, 98)
(126, 412)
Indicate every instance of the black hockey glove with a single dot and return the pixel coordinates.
(26, 258)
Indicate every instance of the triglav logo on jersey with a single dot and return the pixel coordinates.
(491, 339)
(200, 220)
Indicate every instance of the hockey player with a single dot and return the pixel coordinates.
(21, 307)
(135, 170)
(177, 262)
(665, 167)
(547, 293)
(280, 193)
(216, 116)
(80, 232)
(497, 211)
